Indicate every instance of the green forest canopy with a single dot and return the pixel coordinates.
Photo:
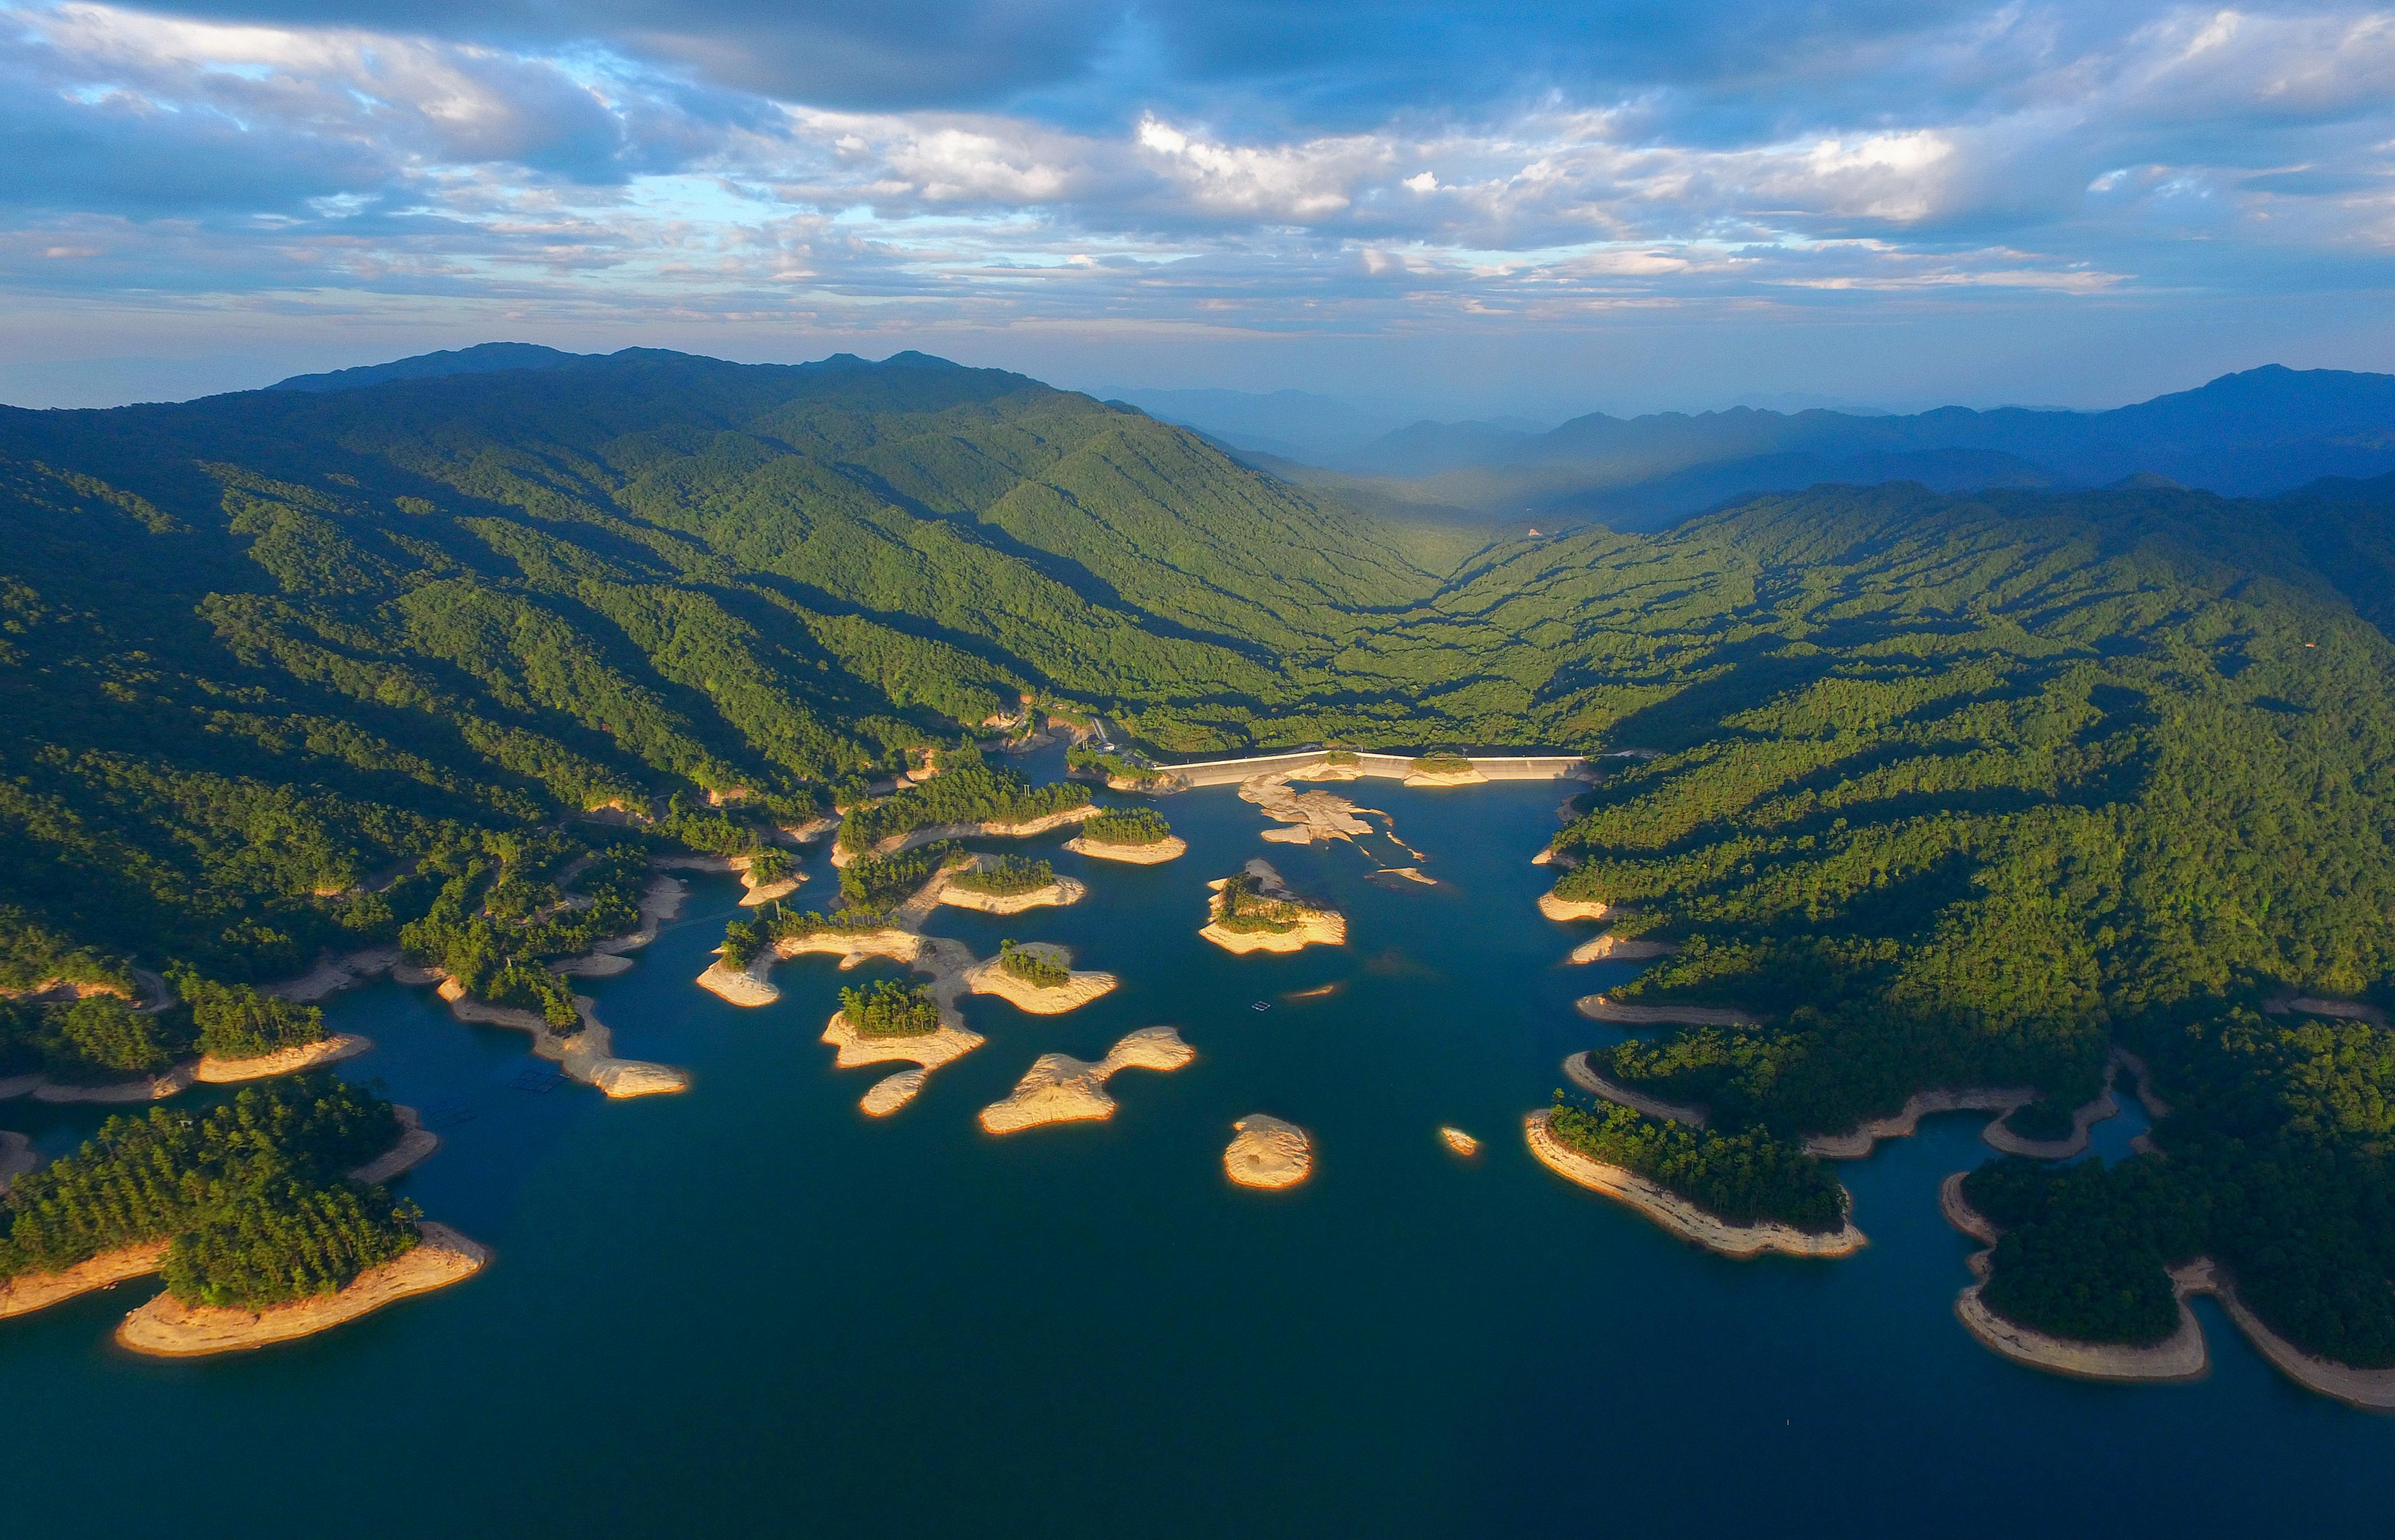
(1946, 790)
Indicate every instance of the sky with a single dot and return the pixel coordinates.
(1455, 209)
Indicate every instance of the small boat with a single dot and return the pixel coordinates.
(1260, 1005)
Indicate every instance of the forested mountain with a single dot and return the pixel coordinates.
(2262, 432)
(1945, 788)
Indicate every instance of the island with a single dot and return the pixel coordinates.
(891, 1023)
(1265, 1151)
(1058, 1088)
(1254, 910)
(1457, 1140)
(1007, 884)
(1039, 977)
(968, 797)
(1738, 1195)
(1136, 836)
(266, 1215)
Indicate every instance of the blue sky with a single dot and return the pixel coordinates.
(1453, 208)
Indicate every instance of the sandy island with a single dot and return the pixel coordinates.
(1597, 1007)
(1676, 1214)
(1313, 926)
(990, 978)
(2181, 1356)
(168, 1328)
(1313, 815)
(1062, 1089)
(1171, 847)
(1267, 1152)
(1457, 1140)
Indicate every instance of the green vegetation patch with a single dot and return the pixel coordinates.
(889, 1009)
(965, 792)
(1006, 877)
(1129, 826)
(95, 1039)
(1112, 768)
(1032, 968)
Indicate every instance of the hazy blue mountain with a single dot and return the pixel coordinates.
(483, 358)
(2255, 433)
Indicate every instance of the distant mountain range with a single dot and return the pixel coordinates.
(2262, 432)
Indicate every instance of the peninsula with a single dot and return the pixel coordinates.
(1136, 836)
(1037, 977)
(1585, 1149)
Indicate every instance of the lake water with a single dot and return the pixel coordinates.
(752, 1309)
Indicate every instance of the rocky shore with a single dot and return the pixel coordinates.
(1579, 1071)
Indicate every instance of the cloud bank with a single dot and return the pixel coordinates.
(1241, 168)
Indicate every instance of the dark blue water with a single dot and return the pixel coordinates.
(750, 1308)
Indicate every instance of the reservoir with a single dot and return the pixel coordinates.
(752, 1309)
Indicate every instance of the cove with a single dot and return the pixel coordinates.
(752, 1307)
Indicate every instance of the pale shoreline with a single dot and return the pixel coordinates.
(926, 1051)
(2004, 1101)
(1562, 910)
(168, 1328)
(2182, 1356)
(1678, 1214)
(1058, 1088)
(1597, 1007)
(1578, 1069)
(1154, 853)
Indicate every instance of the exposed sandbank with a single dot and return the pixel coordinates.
(1467, 777)
(1171, 847)
(168, 1328)
(1457, 1140)
(1597, 1007)
(1677, 1213)
(1311, 927)
(29, 1291)
(334, 973)
(1265, 1151)
(1583, 1074)
(1058, 1088)
(990, 978)
(330, 1049)
(416, 1143)
(1609, 948)
(1572, 908)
